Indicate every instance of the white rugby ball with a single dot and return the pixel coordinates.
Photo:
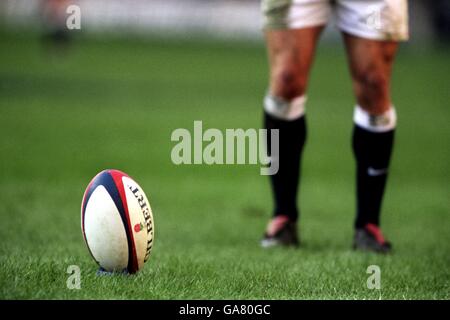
(117, 222)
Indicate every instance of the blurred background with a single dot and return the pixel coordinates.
(216, 18)
(74, 102)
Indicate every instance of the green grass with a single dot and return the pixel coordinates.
(114, 103)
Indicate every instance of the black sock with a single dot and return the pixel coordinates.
(372, 151)
(292, 136)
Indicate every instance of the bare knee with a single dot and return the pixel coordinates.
(288, 83)
(372, 90)
(372, 79)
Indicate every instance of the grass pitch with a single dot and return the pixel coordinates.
(114, 104)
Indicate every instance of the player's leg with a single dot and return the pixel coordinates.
(373, 136)
(371, 31)
(291, 46)
(290, 58)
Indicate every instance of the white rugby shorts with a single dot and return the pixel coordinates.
(370, 19)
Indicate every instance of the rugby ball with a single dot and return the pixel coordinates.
(117, 222)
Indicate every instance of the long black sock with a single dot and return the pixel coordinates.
(292, 136)
(372, 151)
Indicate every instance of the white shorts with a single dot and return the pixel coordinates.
(370, 19)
